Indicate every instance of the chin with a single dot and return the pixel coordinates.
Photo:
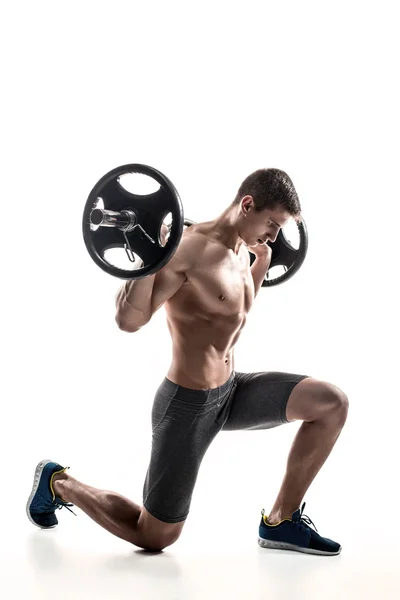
(250, 243)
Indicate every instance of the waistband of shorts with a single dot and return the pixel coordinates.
(188, 394)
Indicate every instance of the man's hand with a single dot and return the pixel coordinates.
(261, 251)
(164, 234)
(260, 266)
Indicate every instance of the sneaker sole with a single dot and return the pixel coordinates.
(285, 546)
(36, 479)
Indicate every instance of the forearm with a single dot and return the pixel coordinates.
(258, 271)
(133, 303)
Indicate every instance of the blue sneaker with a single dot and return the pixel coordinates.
(43, 502)
(295, 534)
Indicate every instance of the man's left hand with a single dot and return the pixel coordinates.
(261, 251)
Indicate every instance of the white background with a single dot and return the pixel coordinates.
(207, 93)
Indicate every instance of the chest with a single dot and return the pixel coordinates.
(223, 288)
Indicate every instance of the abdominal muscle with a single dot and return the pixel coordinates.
(203, 355)
(206, 316)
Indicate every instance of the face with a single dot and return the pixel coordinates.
(258, 228)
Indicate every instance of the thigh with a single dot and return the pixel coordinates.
(184, 426)
(259, 400)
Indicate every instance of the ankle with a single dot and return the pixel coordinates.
(276, 516)
(59, 487)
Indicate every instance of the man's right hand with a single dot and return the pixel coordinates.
(164, 234)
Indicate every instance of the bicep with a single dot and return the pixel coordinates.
(171, 277)
(166, 283)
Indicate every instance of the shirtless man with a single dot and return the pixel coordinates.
(208, 287)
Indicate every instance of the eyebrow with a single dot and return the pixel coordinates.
(275, 223)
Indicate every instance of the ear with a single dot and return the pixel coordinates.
(247, 203)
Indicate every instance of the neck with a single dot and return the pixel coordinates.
(226, 228)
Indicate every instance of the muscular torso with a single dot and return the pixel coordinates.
(206, 316)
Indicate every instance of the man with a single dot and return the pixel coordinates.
(208, 288)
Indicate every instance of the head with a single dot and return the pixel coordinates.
(265, 201)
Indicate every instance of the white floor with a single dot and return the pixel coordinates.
(77, 560)
(217, 556)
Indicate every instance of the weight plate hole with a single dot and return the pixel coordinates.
(164, 231)
(139, 184)
(291, 234)
(275, 272)
(117, 257)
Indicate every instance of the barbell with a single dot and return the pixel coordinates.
(114, 217)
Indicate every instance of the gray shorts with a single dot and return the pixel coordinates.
(185, 421)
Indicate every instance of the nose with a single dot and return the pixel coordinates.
(272, 237)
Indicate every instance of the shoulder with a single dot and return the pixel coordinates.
(190, 248)
(195, 240)
(199, 244)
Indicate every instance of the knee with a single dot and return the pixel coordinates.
(338, 401)
(155, 535)
(159, 543)
(153, 547)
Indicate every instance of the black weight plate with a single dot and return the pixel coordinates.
(150, 210)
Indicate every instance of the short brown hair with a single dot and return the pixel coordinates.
(269, 188)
